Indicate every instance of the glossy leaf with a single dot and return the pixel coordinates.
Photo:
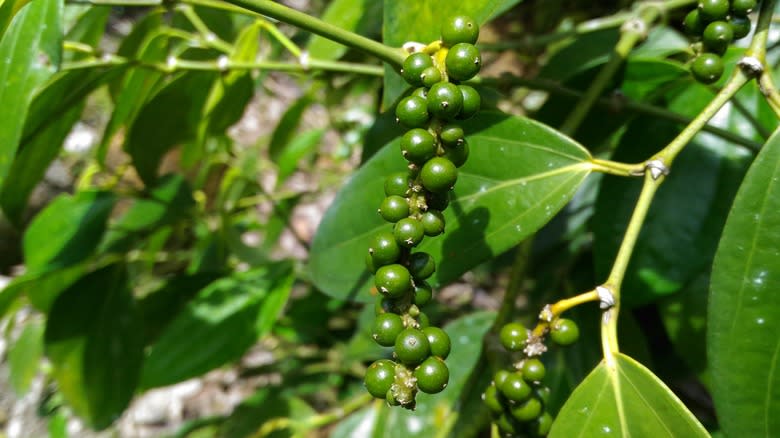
(94, 341)
(8, 9)
(24, 357)
(744, 309)
(624, 400)
(167, 202)
(287, 127)
(53, 112)
(67, 231)
(88, 30)
(413, 20)
(519, 174)
(218, 325)
(360, 16)
(296, 150)
(30, 52)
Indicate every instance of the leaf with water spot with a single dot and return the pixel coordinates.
(743, 322)
(519, 174)
(624, 399)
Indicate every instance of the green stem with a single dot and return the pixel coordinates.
(634, 31)
(207, 36)
(392, 56)
(623, 104)
(757, 47)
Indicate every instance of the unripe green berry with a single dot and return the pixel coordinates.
(472, 102)
(707, 68)
(430, 76)
(493, 400)
(451, 134)
(379, 377)
(463, 61)
(438, 175)
(507, 424)
(423, 320)
(741, 8)
(533, 370)
(717, 36)
(433, 222)
(515, 388)
(458, 155)
(439, 340)
(542, 425)
(384, 305)
(412, 112)
(397, 184)
(393, 280)
(432, 375)
(564, 331)
(412, 346)
(384, 249)
(459, 29)
(421, 265)
(693, 24)
(423, 293)
(741, 27)
(500, 377)
(528, 410)
(712, 10)
(409, 232)
(387, 326)
(394, 208)
(513, 336)
(445, 100)
(437, 201)
(413, 67)
(418, 145)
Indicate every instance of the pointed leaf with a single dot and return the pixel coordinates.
(24, 357)
(360, 16)
(94, 341)
(624, 400)
(218, 325)
(30, 52)
(743, 332)
(519, 174)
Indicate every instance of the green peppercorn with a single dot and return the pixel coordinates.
(418, 145)
(384, 249)
(459, 29)
(412, 346)
(433, 222)
(423, 293)
(432, 375)
(379, 377)
(515, 388)
(707, 68)
(394, 208)
(412, 112)
(528, 410)
(439, 340)
(533, 370)
(387, 326)
(393, 280)
(564, 331)
(409, 232)
(438, 175)
(513, 336)
(463, 61)
(413, 67)
(421, 265)
(445, 100)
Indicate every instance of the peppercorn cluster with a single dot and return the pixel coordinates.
(435, 147)
(517, 398)
(716, 23)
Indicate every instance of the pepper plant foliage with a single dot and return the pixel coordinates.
(603, 184)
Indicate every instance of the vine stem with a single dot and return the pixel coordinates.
(390, 55)
(316, 421)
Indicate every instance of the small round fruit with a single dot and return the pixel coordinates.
(543, 394)
(393, 280)
(533, 370)
(423, 320)
(463, 61)
(742, 7)
(515, 388)
(430, 76)
(693, 24)
(459, 29)
(383, 305)
(379, 377)
(394, 208)
(528, 410)
(445, 100)
(387, 326)
(458, 154)
(451, 134)
(439, 340)
(437, 201)
(423, 293)
(413, 67)
(500, 377)
(493, 400)
(409, 232)
(717, 36)
(564, 331)
(507, 424)
(384, 249)
(707, 68)
(740, 26)
(712, 10)
(397, 184)
(432, 375)
(471, 102)
(412, 346)
(513, 336)
(418, 145)
(438, 175)
(542, 425)
(421, 265)
(433, 222)
(412, 112)
(421, 92)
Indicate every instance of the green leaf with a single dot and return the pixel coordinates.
(169, 201)
(743, 319)
(24, 357)
(519, 174)
(287, 127)
(218, 325)
(67, 231)
(169, 119)
(433, 413)
(414, 20)
(41, 288)
(359, 16)
(88, 30)
(296, 150)
(624, 399)
(53, 112)
(264, 405)
(94, 341)
(31, 52)
(8, 9)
